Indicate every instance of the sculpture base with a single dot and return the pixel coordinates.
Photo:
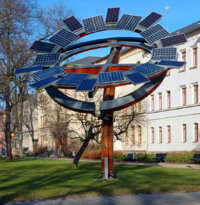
(110, 177)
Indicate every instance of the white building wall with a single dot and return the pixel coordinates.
(177, 114)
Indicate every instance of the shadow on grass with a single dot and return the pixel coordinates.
(37, 178)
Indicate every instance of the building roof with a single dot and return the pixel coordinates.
(86, 61)
(187, 29)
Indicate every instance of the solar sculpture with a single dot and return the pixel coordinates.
(49, 75)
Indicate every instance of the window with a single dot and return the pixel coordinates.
(133, 135)
(152, 102)
(196, 132)
(139, 135)
(152, 134)
(168, 99)
(184, 133)
(43, 140)
(139, 106)
(126, 138)
(183, 96)
(160, 134)
(43, 121)
(184, 60)
(160, 101)
(194, 57)
(195, 94)
(168, 134)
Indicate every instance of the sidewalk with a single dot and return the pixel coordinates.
(144, 199)
(150, 164)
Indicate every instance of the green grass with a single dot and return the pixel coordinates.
(23, 179)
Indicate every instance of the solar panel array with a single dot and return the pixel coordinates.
(170, 41)
(112, 15)
(45, 82)
(150, 20)
(28, 70)
(137, 78)
(154, 33)
(63, 38)
(46, 59)
(94, 24)
(54, 71)
(86, 85)
(128, 22)
(72, 23)
(111, 77)
(42, 47)
(73, 78)
(147, 68)
(164, 54)
(172, 63)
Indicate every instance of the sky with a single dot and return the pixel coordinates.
(181, 13)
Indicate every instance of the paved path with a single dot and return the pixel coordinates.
(164, 164)
(144, 199)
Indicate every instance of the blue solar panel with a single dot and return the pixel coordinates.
(147, 68)
(28, 70)
(172, 63)
(86, 85)
(94, 24)
(73, 78)
(164, 54)
(111, 77)
(72, 23)
(174, 40)
(45, 82)
(150, 20)
(154, 33)
(112, 15)
(64, 38)
(42, 47)
(128, 22)
(54, 71)
(137, 78)
(46, 59)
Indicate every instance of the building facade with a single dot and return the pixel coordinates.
(174, 107)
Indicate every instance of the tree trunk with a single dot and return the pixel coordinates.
(80, 152)
(8, 133)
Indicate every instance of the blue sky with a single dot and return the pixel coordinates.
(181, 14)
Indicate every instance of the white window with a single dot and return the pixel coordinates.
(160, 134)
(152, 135)
(196, 132)
(184, 131)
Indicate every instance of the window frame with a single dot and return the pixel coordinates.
(168, 134)
(184, 60)
(133, 135)
(184, 136)
(152, 102)
(160, 134)
(195, 94)
(184, 98)
(194, 57)
(160, 101)
(139, 134)
(152, 135)
(168, 99)
(196, 132)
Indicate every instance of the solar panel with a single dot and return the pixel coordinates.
(46, 59)
(94, 24)
(150, 20)
(164, 54)
(54, 71)
(73, 78)
(42, 47)
(86, 85)
(45, 82)
(112, 15)
(147, 68)
(128, 22)
(137, 78)
(63, 38)
(154, 33)
(172, 63)
(111, 77)
(170, 41)
(72, 23)
(28, 70)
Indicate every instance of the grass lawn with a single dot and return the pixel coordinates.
(23, 179)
